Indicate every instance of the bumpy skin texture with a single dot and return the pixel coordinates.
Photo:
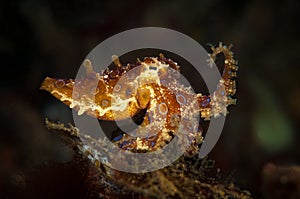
(151, 84)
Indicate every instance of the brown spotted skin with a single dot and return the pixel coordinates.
(150, 84)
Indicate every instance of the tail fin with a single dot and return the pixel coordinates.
(216, 103)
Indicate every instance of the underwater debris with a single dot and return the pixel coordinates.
(281, 181)
(185, 178)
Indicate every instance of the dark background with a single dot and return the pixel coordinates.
(51, 38)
